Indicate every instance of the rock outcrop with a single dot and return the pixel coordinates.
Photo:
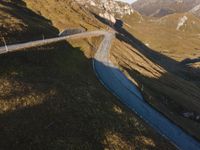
(108, 9)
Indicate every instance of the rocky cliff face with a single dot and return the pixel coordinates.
(108, 9)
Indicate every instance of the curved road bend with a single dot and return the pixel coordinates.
(116, 82)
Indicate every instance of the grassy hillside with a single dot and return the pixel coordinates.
(18, 23)
(162, 36)
(191, 26)
(153, 62)
(66, 14)
(50, 97)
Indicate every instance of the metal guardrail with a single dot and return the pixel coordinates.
(31, 44)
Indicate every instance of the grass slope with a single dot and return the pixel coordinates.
(50, 97)
(153, 62)
(18, 23)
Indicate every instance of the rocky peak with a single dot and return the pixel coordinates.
(109, 9)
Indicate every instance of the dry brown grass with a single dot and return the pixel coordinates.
(50, 97)
(20, 24)
(66, 14)
(166, 90)
(59, 103)
(161, 35)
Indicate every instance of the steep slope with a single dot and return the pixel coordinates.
(166, 42)
(159, 8)
(177, 75)
(50, 97)
(19, 23)
(76, 15)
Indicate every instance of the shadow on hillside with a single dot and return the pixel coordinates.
(103, 20)
(172, 90)
(176, 93)
(61, 105)
(51, 99)
(190, 61)
(35, 25)
(192, 72)
(169, 64)
(18, 2)
(156, 57)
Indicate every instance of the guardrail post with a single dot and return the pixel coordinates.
(4, 41)
(43, 37)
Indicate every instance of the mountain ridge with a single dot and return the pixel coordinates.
(155, 7)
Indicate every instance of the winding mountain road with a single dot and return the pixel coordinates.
(116, 82)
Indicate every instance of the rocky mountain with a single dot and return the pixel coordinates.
(159, 8)
(108, 9)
